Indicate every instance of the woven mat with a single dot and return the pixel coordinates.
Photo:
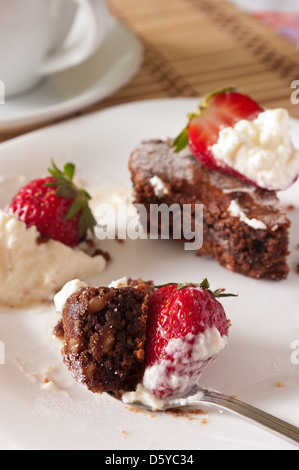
(192, 47)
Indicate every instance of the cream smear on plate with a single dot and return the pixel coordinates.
(31, 271)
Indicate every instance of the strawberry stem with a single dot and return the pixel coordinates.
(182, 140)
(66, 188)
(218, 293)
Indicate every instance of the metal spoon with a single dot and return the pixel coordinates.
(197, 396)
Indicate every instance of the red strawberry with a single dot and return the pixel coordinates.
(184, 321)
(57, 208)
(218, 110)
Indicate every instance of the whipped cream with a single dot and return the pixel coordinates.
(70, 288)
(74, 286)
(143, 397)
(190, 356)
(261, 150)
(123, 282)
(236, 211)
(32, 272)
(160, 188)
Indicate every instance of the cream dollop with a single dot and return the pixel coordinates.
(32, 272)
(190, 356)
(261, 150)
(236, 211)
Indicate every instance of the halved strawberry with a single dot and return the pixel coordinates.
(218, 110)
(187, 328)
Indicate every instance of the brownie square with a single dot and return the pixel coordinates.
(104, 336)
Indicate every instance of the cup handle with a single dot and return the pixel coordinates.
(97, 15)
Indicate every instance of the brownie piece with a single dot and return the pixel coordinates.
(257, 251)
(104, 335)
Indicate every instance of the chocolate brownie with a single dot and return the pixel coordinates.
(104, 335)
(244, 228)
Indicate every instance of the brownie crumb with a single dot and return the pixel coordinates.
(290, 208)
(189, 413)
(105, 254)
(41, 239)
(58, 330)
(281, 384)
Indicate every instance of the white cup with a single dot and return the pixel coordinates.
(33, 35)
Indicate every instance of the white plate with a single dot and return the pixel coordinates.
(109, 69)
(264, 317)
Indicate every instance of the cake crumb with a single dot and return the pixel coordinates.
(281, 384)
(134, 409)
(107, 257)
(190, 414)
(290, 208)
(123, 434)
(49, 384)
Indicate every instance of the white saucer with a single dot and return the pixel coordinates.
(114, 65)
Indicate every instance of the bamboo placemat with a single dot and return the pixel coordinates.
(192, 47)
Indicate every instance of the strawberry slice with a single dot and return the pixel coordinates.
(187, 329)
(217, 111)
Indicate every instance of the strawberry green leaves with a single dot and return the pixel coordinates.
(55, 206)
(67, 189)
(181, 140)
(218, 110)
(218, 293)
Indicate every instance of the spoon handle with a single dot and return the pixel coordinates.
(250, 412)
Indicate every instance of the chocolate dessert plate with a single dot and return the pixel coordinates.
(42, 407)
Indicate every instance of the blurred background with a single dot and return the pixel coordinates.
(172, 48)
